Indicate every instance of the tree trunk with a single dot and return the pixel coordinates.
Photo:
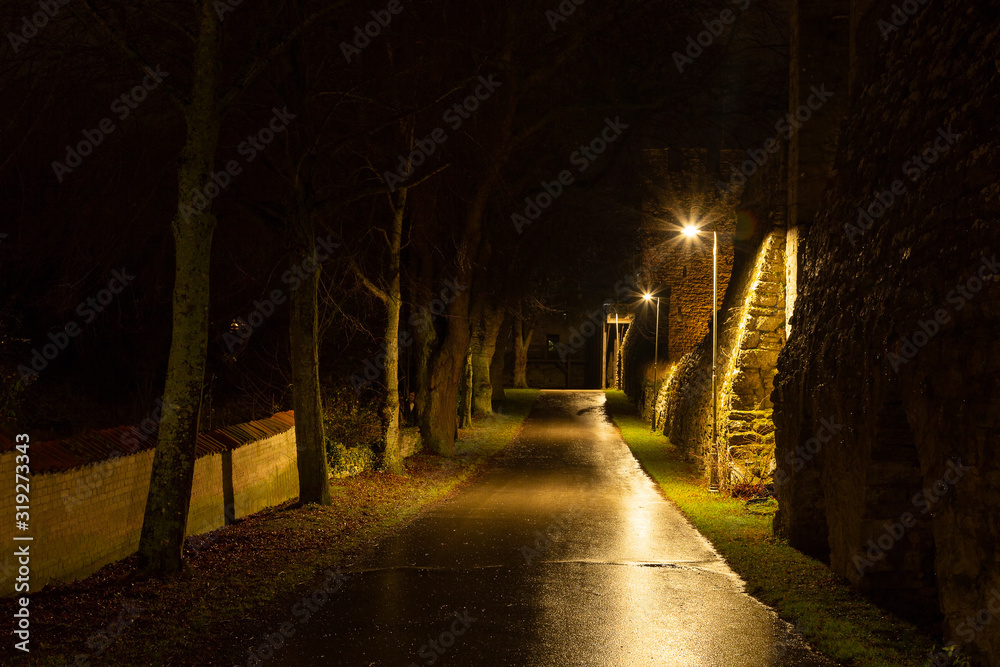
(422, 328)
(521, 343)
(497, 367)
(392, 460)
(465, 401)
(310, 445)
(425, 339)
(484, 345)
(439, 421)
(164, 522)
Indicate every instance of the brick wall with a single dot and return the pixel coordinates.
(91, 515)
(681, 268)
(264, 473)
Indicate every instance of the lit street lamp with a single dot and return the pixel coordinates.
(656, 355)
(690, 230)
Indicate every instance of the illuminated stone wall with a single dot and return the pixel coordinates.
(751, 332)
(747, 430)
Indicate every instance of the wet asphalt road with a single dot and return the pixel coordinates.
(621, 579)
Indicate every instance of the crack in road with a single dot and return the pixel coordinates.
(683, 565)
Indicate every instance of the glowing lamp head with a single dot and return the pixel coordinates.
(690, 231)
(647, 296)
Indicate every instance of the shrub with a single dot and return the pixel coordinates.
(353, 430)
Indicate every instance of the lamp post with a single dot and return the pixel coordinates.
(656, 355)
(618, 349)
(691, 231)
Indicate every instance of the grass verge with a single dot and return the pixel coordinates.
(241, 580)
(825, 609)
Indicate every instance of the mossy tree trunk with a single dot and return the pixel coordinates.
(466, 396)
(440, 419)
(392, 459)
(310, 443)
(164, 522)
(422, 327)
(498, 365)
(522, 340)
(484, 345)
(389, 292)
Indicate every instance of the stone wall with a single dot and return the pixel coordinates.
(747, 429)
(88, 516)
(751, 326)
(887, 394)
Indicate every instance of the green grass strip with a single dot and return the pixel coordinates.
(831, 615)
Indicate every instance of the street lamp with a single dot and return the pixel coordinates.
(690, 230)
(656, 355)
